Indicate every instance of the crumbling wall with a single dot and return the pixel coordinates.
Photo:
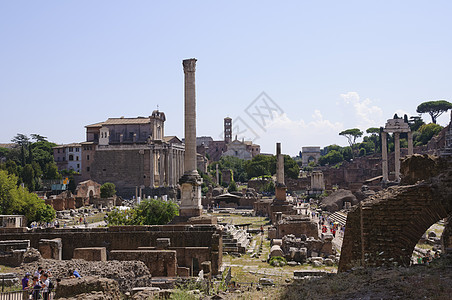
(161, 263)
(387, 226)
(128, 238)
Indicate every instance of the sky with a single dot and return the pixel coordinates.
(295, 72)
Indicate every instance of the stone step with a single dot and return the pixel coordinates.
(339, 217)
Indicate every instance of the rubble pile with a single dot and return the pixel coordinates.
(128, 274)
(88, 288)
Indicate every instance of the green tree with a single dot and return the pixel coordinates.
(351, 135)
(434, 108)
(331, 158)
(28, 177)
(232, 187)
(18, 200)
(9, 200)
(269, 187)
(21, 139)
(260, 165)
(235, 164)
(154, 212)
(38, 138)
(291, 168)
(107, 190)
(347, 153)
(427, 131)
(415, 122)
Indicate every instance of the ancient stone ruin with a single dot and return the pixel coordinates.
(386, 227)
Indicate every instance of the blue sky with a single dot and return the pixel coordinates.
(328, 65)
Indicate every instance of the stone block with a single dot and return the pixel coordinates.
(161, 263)
(91, 254)
(183, 272)
(276, 251)
(276, 242)
(206, 267)
(272, 233)
(51, 249)
(163, 243)
(327, 237)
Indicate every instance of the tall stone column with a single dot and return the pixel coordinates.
(397, 155)
(190, 181)
(171, 167)
(410, 143)
(384, 156)
(152, 165)
(190, 117)
(280, 189)
(162, 168)
(217, 174)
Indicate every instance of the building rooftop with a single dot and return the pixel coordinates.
(67, 145)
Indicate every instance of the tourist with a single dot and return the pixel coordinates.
(436, 254)
(45, 284)
(425, 260)
(25, 281)
(38, 272)
(74, 274)
(36, 288)
(419, 260)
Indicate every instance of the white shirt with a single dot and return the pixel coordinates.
(46, 287)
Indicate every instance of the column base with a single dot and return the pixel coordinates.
(190, 211)
(280, 193)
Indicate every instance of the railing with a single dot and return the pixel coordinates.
(25, 295)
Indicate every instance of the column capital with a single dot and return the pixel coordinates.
(189, 65)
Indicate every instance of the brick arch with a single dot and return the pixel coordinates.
(388, 225)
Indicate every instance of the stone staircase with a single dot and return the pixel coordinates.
(340, 217)
(235, 240)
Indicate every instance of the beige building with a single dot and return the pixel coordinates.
(133, 153)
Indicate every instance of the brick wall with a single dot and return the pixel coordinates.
(388, 225)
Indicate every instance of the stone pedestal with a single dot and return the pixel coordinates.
(190, 196)
(280, 192)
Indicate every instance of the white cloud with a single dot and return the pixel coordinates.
(366, 114)
(294, 134)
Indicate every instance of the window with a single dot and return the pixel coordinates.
(87, 157)
(87, 169)
(71, 149)
(71, 157)
(76, 158)
(58, 159)
(58, 150)
(77, 149)
(64, 158)
(78, 166)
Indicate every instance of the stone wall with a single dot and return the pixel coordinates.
(297, 226)
(127, 238)
(125, 168)
(91, 254)
(388, 225)
(161, 263)
(299, 184)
